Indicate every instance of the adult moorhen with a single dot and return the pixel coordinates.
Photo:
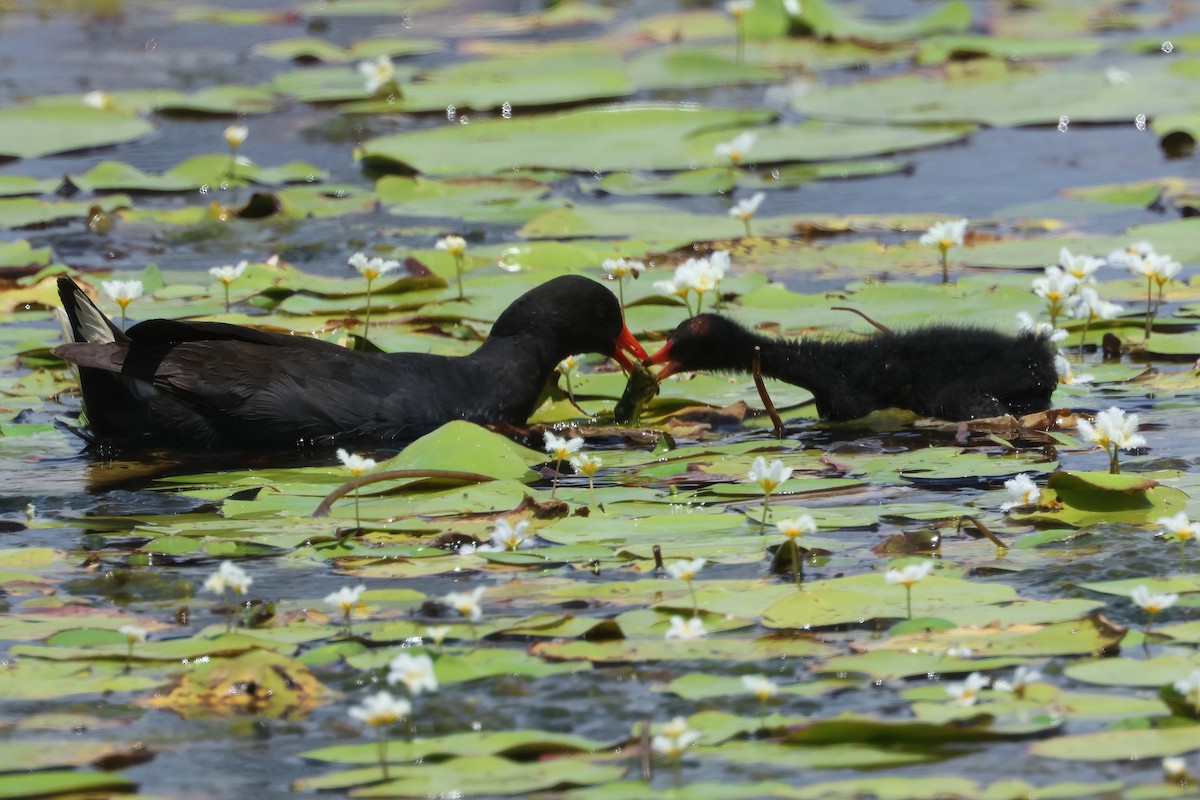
(944, 371)
(213, 385)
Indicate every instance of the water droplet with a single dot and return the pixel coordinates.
(204, 189)
(1063, 122)
(464, 119)
(391, 98)
(1167, 47)
(506, 110)
(407, 21)
(774, 174)
(224, 185)
(1139, 122)
(310, 178)
(451, 113)
(152, 45)
(340, 193)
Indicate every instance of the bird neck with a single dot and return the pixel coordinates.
(505, 359)
(812, 364)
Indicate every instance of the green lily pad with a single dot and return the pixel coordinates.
(56, 782)
(311, 49)
(1121, 745)
(994, 93)
(34, 132)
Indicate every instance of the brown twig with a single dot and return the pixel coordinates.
(878, 325)
(979, 526)
(393, 475)
(762, 393)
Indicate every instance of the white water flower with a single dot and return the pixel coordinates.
(1152, 603)
(1079, 267)
(736, 149)
(1066, 375)
(796, 527)
(1113, 429)
(99, 100)
(746, 208)
(966, 693)
(506, 536)
(909, 573)
(454, 245)
(372, 268)
(228, 576)
(133, 633)
(945, 234)
(1088, 305)
(358, 465)
(228, 274)
(685, 570)
(761, 686)
(686, 630)
(1055, 286)
(236, 135)
(1023, 491)
(618, 268)
(1022, 678)
(768, 476)
(674, 739)
(1179, 526)
(377, 74)
(1161, 268)
(437, 633)
(738, 8)
(1175, 769)
(586, 464)
(1134, 257)
(560, 447)
(123, 292)
(466, 603)
(381, 710)
(346, 598)
(415, 672)
(1189, 687)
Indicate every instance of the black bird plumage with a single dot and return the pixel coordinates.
(945, 371)
(212, 385)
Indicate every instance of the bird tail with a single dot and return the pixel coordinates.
(82, 320)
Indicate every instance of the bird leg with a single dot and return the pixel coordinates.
(762, 393)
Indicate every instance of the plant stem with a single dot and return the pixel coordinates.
(1083, 337)
(621, 291)
(458, 275)
(1114, 467)
(1149, 313)
(945, 264)
(763, 523)
(554, 485)
(367, 323)
(357, 516)
(796, 570)
(227, 298)
(908, 597)
(383, 764)
(695, 608)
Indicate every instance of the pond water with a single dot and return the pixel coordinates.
(571, 641)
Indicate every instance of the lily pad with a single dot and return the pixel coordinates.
(34, 132)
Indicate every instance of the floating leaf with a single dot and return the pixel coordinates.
(33, 132)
